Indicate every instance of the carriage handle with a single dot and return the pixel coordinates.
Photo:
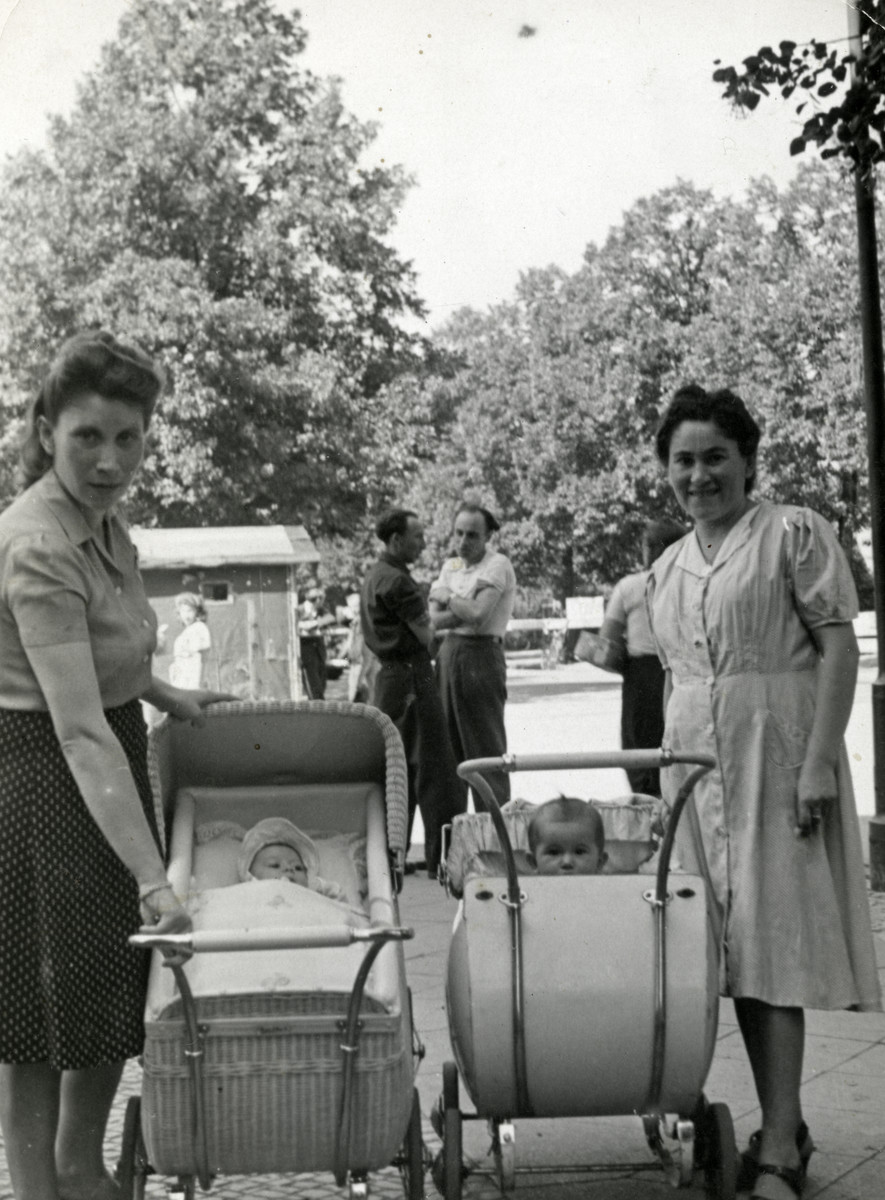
(208, 941)
(584, 760)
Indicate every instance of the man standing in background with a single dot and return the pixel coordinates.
(397, 629)
(472, 602)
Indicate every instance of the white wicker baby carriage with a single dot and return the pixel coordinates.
(280, 1047)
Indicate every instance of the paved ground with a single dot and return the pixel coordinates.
(844, 1089)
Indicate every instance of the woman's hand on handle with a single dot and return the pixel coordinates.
(162, 912)
(183, 704)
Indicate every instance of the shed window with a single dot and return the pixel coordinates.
(216, 591)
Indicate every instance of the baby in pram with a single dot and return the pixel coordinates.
(566, 837)
(276, 849)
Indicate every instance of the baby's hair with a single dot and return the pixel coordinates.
(565, 808)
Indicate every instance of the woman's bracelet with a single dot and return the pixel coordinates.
(147, 890)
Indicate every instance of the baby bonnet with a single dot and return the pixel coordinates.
(277, 831)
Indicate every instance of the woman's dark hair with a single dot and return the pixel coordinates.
(93, 361)
(723, 407)
(492, 522)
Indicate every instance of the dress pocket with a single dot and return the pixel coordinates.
(785, 742)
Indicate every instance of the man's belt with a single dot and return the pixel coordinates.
(478, 637)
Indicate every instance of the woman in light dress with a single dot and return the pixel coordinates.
(752, 613)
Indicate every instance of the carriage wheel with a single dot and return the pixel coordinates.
(133, 1167)
(450, 1086)
(452, 1165)
(720, 1153)
(412, 1161)
(448, 1169)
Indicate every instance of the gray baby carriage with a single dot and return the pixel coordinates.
(583, 996)
(285, 1044)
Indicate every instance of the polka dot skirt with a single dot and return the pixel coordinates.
(72, 988)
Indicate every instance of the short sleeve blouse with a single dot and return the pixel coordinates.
(58, 585)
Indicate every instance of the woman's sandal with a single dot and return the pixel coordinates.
(748, 1166)
(777, 1183)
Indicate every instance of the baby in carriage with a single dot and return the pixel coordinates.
(566, 837)
(277, 849)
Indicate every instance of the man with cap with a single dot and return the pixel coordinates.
(397, 629)
(472, 602)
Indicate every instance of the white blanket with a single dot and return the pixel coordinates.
(272, 904)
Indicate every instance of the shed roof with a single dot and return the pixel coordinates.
(223, 545)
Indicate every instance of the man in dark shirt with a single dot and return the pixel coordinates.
(397, 629)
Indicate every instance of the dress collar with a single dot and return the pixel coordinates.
(691, 559)
(65, 510)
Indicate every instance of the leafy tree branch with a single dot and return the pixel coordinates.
(841, 94)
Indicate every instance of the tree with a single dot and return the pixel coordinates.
(784, 334)
(551, 414)
(843, 99)
(206, 197)
(852, 125)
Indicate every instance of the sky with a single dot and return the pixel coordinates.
(523, 149)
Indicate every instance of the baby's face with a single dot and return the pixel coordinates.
(279, 862)
(567, 848)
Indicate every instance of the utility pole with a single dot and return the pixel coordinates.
(874, 403)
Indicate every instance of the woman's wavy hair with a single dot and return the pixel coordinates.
(92, 361)
(723, 407)
(192, 600)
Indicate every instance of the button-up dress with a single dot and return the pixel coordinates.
(736, 637)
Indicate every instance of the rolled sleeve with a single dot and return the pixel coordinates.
(495, 573)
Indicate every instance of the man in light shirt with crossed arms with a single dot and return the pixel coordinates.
(471, 603)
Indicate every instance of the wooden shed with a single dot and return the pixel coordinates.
(247, 578)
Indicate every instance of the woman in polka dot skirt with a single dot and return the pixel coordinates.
(80, 865)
